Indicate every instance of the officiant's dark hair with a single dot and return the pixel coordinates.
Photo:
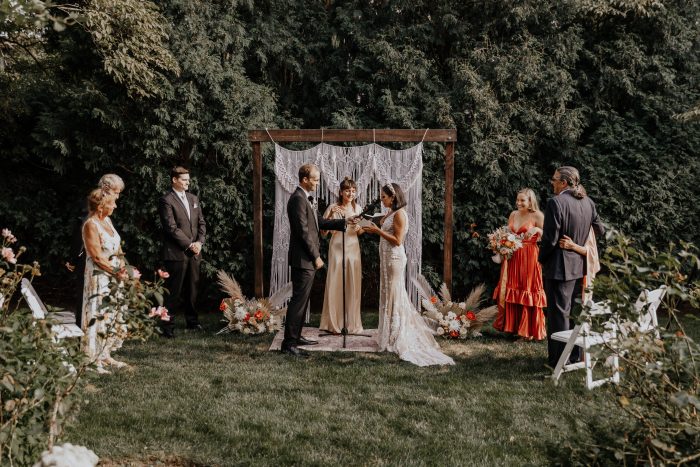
(175, 172)
(344, 185)
(393, 189)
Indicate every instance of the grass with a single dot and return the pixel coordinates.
(203, 399)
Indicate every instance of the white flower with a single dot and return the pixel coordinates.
(463, 306)
(451, 316)
(440, 331)
(455, 325)
(68, 455)
(240, 313)
(246, 331)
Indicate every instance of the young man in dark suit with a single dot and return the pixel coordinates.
(304, 257)
(184, 229)
(570, 213)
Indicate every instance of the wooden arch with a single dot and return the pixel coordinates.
(257, 137)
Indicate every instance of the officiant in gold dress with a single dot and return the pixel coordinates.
(332, 315)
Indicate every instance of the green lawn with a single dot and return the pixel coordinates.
(202, 399)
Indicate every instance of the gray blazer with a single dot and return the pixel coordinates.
(179, 231)
(566, 215)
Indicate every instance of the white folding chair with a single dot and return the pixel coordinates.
(584, 337)
(62, 322)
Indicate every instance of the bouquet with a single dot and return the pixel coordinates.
(454, 320)
(504, 243)
(251, 316)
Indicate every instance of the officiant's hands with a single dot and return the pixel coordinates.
(318, 264)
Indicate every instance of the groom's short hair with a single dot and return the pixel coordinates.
(175, 172)
(305, 171)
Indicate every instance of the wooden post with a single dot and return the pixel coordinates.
(258, 219)
(449, 189)
(256, 137)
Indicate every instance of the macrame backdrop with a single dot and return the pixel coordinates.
(371, 166)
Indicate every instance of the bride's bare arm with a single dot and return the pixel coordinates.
(399, 229)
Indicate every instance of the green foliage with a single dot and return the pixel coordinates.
(37, 374)
(528, 85)
(35, 387)
(130, 36)
(660, 378)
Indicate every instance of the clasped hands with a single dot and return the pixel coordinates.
(196, 247)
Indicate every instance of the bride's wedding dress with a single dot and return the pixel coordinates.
(401, 328)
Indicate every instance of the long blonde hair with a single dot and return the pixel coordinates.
(533, 205)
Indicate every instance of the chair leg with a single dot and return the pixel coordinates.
(616, 369)
(589, 369)
(559, 369)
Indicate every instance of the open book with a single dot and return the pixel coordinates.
(369, 219)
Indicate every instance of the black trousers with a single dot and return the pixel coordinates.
(182, 287)
(302, 280)
(561, 296)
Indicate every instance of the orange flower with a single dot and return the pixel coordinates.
(470, 315)
(258, 315)
(223, 306)
(433, 299)
(247, 317)
(454, 333)
(475, 235)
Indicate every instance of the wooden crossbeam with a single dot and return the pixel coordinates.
(335, 136)
(257, 137)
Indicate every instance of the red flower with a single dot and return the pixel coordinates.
(471, 316)
(223, 306)
(454, 333)
(247, 317)
(433, 299)
(258, 315)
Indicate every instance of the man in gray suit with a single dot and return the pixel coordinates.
(184, 229)
(569, 213)
(304, 257)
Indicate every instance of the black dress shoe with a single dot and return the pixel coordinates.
(304, 341)
(295, 351)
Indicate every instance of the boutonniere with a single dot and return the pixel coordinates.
(194, 206)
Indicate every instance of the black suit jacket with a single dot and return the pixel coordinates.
(304, 224)
(566, 215)
(179, 231)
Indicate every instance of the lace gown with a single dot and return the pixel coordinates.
(520, 292)
(96, 286)
(401, 328)
(332, 314)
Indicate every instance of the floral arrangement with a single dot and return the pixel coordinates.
(451, 319)
(504, 243)
(12, 272)
(251, 316)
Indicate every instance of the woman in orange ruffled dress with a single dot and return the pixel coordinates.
(520, 292)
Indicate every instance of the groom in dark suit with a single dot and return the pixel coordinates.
(570, 213)
(304, 257)
(183, 236)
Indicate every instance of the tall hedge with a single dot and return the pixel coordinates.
(529, 85)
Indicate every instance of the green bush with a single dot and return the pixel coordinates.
(660, 376)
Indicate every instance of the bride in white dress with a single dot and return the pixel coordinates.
(401, 328)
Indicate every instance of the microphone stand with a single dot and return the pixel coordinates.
(344, 330)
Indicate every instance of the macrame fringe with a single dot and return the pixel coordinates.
(371, 166)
